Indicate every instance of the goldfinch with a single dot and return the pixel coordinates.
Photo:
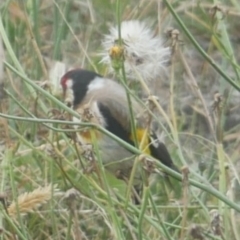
(106, 101)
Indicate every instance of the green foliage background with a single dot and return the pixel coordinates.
(36, 153)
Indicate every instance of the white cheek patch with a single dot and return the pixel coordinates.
(97, 83)
(69, 83)
(69, 96)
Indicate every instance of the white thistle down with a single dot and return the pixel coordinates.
(144, 54)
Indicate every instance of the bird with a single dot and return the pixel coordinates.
(106, 103)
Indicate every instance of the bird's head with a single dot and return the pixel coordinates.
(77, 83)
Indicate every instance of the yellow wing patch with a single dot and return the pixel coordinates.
(87, 135)
(141, 134)
(143, 140)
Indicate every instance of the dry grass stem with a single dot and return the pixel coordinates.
(185, 172)
(29, 201)
(42, 40)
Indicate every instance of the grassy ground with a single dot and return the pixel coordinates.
(45, 192)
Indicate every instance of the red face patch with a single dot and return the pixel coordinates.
(64, 80)
(66, 77)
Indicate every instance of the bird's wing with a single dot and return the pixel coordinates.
(113, 106)
(116, 120)
(112, 102)
(159, 151)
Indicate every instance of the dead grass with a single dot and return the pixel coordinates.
(49, 37)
